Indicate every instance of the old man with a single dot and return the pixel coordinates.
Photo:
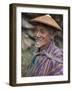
(48, 60)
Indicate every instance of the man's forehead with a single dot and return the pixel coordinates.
(39, 26)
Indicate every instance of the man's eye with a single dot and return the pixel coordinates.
(42, 31)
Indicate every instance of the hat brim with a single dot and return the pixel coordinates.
(46, 20)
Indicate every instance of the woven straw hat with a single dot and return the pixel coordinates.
(47, 20)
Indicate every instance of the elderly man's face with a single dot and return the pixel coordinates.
(42, 36)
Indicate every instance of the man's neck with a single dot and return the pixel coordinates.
(44, 47)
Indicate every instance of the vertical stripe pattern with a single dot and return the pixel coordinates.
(42, 65)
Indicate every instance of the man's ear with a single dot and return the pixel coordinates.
(53, 34)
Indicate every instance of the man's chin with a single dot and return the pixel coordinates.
(38, 45)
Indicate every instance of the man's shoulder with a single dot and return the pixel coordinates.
(57, 51)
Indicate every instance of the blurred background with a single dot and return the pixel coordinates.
(27, 40)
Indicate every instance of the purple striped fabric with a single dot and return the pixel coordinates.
(44, 65)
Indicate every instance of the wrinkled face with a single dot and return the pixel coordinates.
(42, 36)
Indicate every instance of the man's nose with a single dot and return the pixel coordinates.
(38, 34)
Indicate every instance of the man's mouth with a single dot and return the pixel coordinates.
(39, 39)
(38, 42)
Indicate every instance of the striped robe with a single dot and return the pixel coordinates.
(47, 62)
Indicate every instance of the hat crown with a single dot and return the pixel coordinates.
(48, 20)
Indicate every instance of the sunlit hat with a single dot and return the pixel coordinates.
(47, 20)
